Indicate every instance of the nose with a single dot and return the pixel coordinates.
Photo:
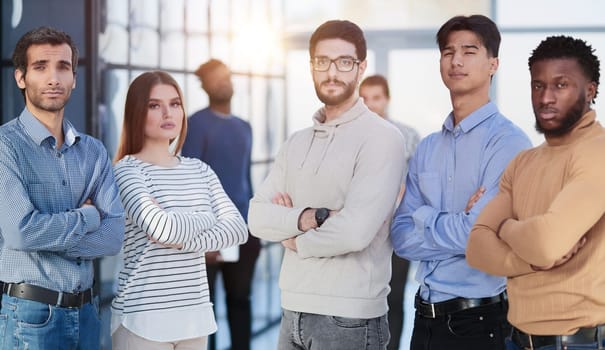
(53, 78)
(547, 95)
(457, 59)
(332, 70)
(166, 112)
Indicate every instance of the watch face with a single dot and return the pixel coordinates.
(321, 215)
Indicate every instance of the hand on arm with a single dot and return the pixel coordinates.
(474, 198)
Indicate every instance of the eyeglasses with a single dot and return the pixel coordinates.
(343, 63)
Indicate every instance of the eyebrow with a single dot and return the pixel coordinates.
(63, 62)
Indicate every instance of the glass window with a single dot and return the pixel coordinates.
(144, 13)
(418, 96)
(113, 44)
(144, 46)
(220, 16)
(196, 16)
(197, 51)
(172, 51)
(549, 13)
(220, 48)
(195, 97)
(240, 103)
(117, 12)
(115, 86)
(302, 101)
(173, 14)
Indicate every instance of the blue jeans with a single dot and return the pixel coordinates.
(26, 324)
(512, 346)
(303, 331)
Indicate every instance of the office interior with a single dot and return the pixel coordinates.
(265, 42)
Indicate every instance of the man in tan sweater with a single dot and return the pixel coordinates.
(545, 230)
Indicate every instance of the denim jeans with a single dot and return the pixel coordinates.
(512, 346)
(304, 331)
(26, 324)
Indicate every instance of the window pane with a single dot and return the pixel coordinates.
(195, 97)
(115, 86)
(411, 71)
(113, 44)
(197, 16)
(173, 15)
(219, 16)
(144, 13)
(548, 13)
(173, 51)
(117, 12)
(220, 48)
(197, 51)
(144, 47)
(302, 101)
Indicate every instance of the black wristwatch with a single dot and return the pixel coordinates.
(321, 215)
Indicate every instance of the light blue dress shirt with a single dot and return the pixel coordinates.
(46, 237)
(430, 224)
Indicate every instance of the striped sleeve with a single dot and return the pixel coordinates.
(229, 229)
(165, 227)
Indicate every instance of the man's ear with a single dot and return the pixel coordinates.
(494, 62)
(20, 78)
(591, 91)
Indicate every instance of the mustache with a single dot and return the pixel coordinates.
(333, 81)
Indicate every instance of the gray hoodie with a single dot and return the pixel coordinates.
(353, 164)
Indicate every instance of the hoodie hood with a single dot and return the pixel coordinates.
(327, 130)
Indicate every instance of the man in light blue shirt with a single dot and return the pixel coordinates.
(451, 177)
(60, 206)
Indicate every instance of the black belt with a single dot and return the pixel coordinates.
(443, 308)
(584, 336)
(47, 296)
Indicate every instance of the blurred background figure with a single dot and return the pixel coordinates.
(375, 93)
(224, 142)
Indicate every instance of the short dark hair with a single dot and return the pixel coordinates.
(377, 80)
(568, 47)
(40, 36)
(207, 67)
(340, 29)
(482, 26)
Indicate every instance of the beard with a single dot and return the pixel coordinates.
(222, 95)
(49, 105)
(574, 113)
(333, 100)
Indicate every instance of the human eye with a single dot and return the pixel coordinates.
(561, 85)
(176, 104)
(321, 61)
(153, 105)
(346, 62)
(537, 86)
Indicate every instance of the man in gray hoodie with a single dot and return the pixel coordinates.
(329, 199)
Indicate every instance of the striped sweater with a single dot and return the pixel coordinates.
(163, 292)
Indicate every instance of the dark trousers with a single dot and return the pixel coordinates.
(399, 277)
(483, 327)
(237, 280)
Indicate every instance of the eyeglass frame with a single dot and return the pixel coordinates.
(355, 61)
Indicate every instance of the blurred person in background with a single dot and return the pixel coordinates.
(224, 141)
(376, 95)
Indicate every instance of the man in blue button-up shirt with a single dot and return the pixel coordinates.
(452, 175)
(59, 203)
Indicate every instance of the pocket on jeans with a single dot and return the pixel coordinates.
(475, 323)
(346, 322)
(33, 314)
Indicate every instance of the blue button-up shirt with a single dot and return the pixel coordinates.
(430, 224)
(46, 237)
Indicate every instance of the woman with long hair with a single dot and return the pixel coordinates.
(176, 210)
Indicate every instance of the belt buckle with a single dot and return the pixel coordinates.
(531, 342)
(433, 314)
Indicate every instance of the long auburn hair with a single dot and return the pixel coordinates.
(135, 113)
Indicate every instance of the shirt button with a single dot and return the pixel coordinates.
(59, 155)
(64, 182)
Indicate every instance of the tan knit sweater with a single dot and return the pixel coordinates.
(555, 194)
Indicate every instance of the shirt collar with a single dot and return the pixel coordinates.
(473, 119)
(38, 132)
